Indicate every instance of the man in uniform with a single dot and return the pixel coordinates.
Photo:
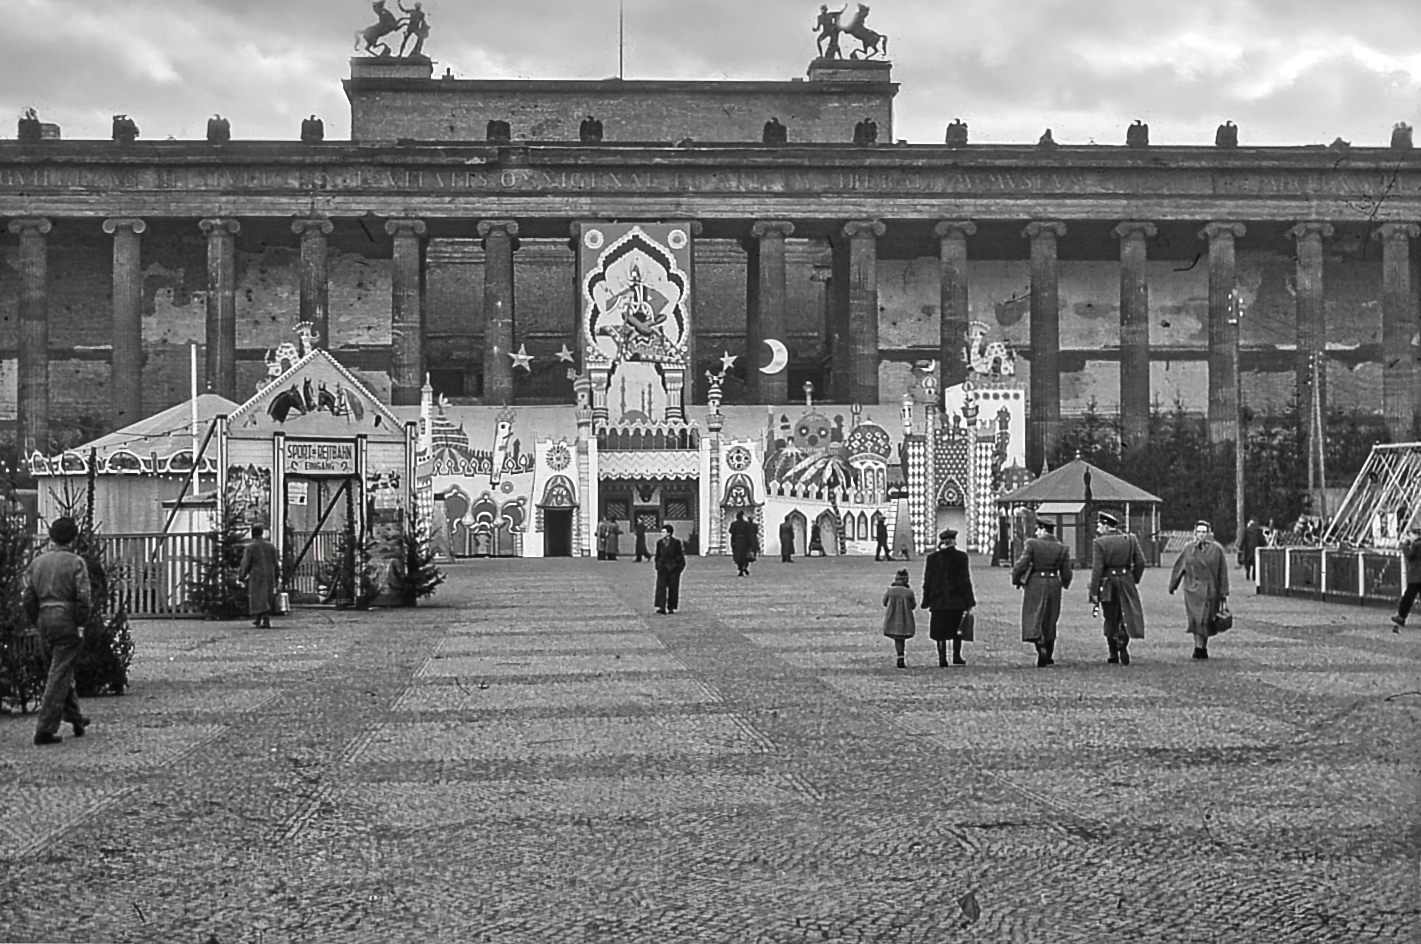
(1117, 564)
(947, 592)
(1204, 572)
(1043, 571)
(56, 599)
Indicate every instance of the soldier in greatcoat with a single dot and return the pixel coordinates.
(1117, 564)
(1043, 570)
(1203, 570)
(947, 592)
(898, 622)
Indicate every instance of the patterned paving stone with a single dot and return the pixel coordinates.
(1362, 684)
(600, 694)
(955, 685)
(109, 747)
(548, 642)
(1167, 728)
(197, 670)
(32, 813)
(540, 663)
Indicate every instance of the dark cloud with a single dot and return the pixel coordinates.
(1289, 73)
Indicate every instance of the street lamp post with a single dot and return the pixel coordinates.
(1240, 439)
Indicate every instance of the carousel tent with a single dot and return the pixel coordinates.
(138, 468)
(1068, 497)
(1384, 501)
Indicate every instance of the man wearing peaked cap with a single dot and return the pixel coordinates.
(947, 592)
(1043, 571)
(1117, 564)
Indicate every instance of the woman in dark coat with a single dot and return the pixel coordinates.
(258, 569)
(1043, 570)
(947, 592)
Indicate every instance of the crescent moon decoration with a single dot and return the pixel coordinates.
(779, 357)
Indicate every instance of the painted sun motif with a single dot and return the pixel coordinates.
(738, 458)
(558, 457)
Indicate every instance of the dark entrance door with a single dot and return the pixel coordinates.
(557, 532)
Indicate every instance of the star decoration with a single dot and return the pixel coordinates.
(522, 359)
(727, 361)
(566, 355)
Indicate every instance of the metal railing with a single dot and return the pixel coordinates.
(1367, 577)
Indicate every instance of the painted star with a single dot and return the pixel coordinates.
(727, 361)
(566, 355)
(522, 359)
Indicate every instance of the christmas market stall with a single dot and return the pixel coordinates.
(1069, 498)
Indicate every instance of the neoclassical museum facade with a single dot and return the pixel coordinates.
(679, 282)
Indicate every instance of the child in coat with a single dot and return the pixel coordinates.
(898, 623)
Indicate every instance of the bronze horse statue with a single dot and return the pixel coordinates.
(867, 38)
(371, 35)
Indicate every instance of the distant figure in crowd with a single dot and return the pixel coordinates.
(816, 541)
(744, 542)
(787, 540)
(608, 543)
(1204, 573)
(1411, 550)
(1117, 564)
(1251, 541)
(1043, 571)
(259, 571)
(898, 622)
(641, 551)
(670, 561)
(880, 533)
(56, 600)
(947, 592)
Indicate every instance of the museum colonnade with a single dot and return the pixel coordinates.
(851, 313)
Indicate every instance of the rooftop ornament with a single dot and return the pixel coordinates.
(829, 27)
(125, 129)
(590, 131)
(957, 133)
(219, 130)
(1137, 135)
(775, 132)
(1401, 137)
(415, 23)
(1226, 136)
(1046, 141)
(29, 130)
(313, 130)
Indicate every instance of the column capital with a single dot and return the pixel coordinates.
(695, 226)
(1311, 228)
(1397, 231)
(130, 223)
(36, 224)
(1223, 230)
(218, 226)
(403, 227)
(857, 229)
(763, 228)
(506, 227)
(1039, 228)
(1130, 228)
(955, 229)
(312, 226)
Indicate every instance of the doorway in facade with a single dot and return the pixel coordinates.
(318, 513)
(557, 532)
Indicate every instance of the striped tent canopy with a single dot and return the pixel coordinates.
(1384, 501)
(160, 444)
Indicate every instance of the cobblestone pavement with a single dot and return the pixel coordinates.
(539, 757)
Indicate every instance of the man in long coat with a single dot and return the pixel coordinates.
(1117, 564)
(744, 541)
(880, 533)
(1043, 571)
(1203, 570)
(614, 539)
(787, 541)
(670, 561)
(1411, 551)
(258, 569)
(947, 592)
(1251, 541)
(603, 527)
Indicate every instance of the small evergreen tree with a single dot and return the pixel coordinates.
(214, 588)
(22, 667)
(420, 575)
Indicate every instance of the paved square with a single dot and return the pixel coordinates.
(538, 756)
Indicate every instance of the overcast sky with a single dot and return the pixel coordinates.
(1287, 71)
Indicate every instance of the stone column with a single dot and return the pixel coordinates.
(863, 309)
(1223, 331)
(1312, 319)
(1044, 412)
(406, 313)
(126, 371)
(221, 305)
(754, 329)
(314, 276)
(1398, 326)
(952, 305)
(773, 300)
(498, 238)
(33, 387)
(837, 324)
(1134, 331)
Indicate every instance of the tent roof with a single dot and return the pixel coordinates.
(1067, 484)
(159, 431)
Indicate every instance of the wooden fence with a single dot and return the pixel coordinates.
(153, 569)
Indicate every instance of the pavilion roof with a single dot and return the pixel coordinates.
(1068, 483)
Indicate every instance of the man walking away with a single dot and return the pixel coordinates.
(1117, 564)
(641, 551)
(787, 541)
(1204, 573)
(880, 532)
(56, 599)
(1252, 540)
(744, 541)
(947, 592)
(670, 561)
(1043, 570)
(258, 569)
(1411, 550)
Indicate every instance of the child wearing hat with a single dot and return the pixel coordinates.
(898, 622)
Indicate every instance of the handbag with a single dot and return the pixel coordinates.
(966, 627)
(1223, 619)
